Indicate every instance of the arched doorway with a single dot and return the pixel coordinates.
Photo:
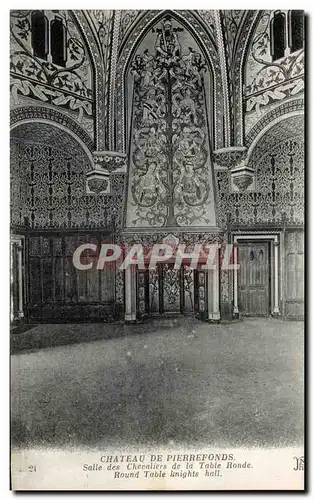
(271, 257)
(51, 215)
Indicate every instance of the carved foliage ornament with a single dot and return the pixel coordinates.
(270, 81)
(69, 86)
(243, 181)
(230, 157)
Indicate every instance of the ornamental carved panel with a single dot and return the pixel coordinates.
(65, 84)
(170, 179)
(48, 189)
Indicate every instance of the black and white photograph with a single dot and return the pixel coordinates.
(157, 172)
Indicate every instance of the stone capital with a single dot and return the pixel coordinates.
(97, 182)
(229, 157)
(110, 161)
(105, 164)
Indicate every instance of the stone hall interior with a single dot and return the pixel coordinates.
(143, 127)
(139, 126)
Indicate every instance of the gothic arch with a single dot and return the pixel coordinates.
(42, 150)
(85, 67)
(284, 110)
(170, 168)
(53, 117)
(99, 77)
(203, 40)
(285, 127)
(243, 42)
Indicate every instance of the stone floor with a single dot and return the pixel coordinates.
(237, 384)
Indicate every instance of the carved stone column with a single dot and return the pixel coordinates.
(213, 294)
(20, 274)
(11, 285)
(130, 294)
(235, 281)
(17, 280)
(276, 278)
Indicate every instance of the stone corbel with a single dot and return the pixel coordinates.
(106, 163)
(242, 177)
(229, 157)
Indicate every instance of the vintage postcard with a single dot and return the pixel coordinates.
(157, 249)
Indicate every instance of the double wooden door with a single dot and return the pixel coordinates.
(254, 278)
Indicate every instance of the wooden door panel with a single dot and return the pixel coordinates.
(254, 275)
(57, 290)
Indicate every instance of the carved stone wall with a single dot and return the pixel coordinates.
(70, 88)
(268, 83)
(170, 179)
(204, 81)
(48, 183)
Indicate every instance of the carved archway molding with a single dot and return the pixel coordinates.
(204, 41)
(99, 77)
(288, 108)
(224, 75)
(269, 125)
(28, 114)
(246, 33)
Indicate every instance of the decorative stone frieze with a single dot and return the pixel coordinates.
(110, 161)
(230, 157)
(106, 163)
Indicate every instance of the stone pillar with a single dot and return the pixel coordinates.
(130, 294)
(20, 275)
(17, 280)
(213, 293)
(235, 280)
(276, 278)
(11, 288)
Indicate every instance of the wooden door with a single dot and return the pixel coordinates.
(254, 278)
